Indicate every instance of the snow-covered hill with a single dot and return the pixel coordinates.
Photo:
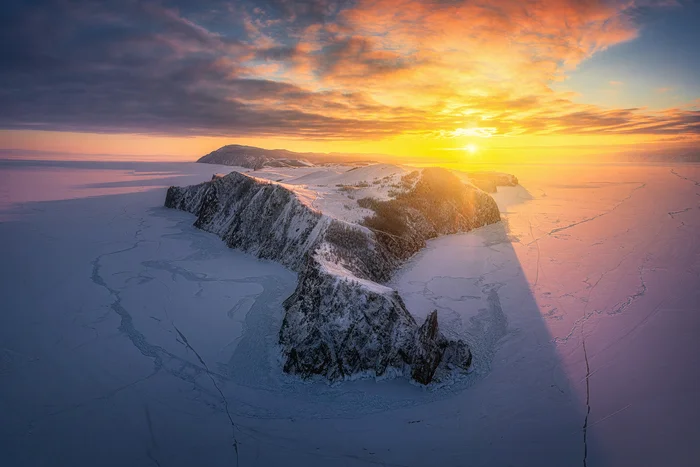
(252, 157)
(341, 321)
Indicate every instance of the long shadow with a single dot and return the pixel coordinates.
(519, 393)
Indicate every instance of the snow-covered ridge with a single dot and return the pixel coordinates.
(341, 321)
(260, 217)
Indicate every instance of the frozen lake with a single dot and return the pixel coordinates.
(128, 337)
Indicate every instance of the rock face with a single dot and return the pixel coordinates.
(437, 204)
(434, 352)
(253, 215)
(340, 321)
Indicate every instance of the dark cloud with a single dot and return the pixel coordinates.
(618, 121)
(182, 67)
(278, 53)
(358, 56)
(142, 67)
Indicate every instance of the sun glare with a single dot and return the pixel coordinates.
(471, 148)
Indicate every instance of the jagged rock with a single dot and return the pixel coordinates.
(429, 352)
(436, 353)
(340, 321)
(338, 326)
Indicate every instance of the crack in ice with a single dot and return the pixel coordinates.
(588, 401)
(673, 213)
(223, 397)
(685, 178)
(641, 290)
(589, 219)
(153, 443)
(618, 308)
(138, 340)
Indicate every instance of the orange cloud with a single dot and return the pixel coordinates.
(455, 69)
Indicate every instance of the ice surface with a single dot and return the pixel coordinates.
(128, 337)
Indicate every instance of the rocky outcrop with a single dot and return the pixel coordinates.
(438, 204)
(257, 216)
(435, 354)
(488, 181)
(338, 326)
(341, 321)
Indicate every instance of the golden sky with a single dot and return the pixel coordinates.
(441, 79)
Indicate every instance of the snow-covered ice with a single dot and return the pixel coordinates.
(128, 337)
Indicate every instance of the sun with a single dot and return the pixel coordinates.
(471, 148)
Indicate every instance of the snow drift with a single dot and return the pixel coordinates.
(341, 321)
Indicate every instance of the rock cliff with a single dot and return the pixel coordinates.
(341, 321)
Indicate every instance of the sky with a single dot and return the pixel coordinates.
(552, 79)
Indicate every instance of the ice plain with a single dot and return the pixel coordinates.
(128, 337)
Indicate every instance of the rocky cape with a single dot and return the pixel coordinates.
(341, 322)
(252, 157)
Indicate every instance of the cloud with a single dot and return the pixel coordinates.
(324, 69)
(616, 83)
